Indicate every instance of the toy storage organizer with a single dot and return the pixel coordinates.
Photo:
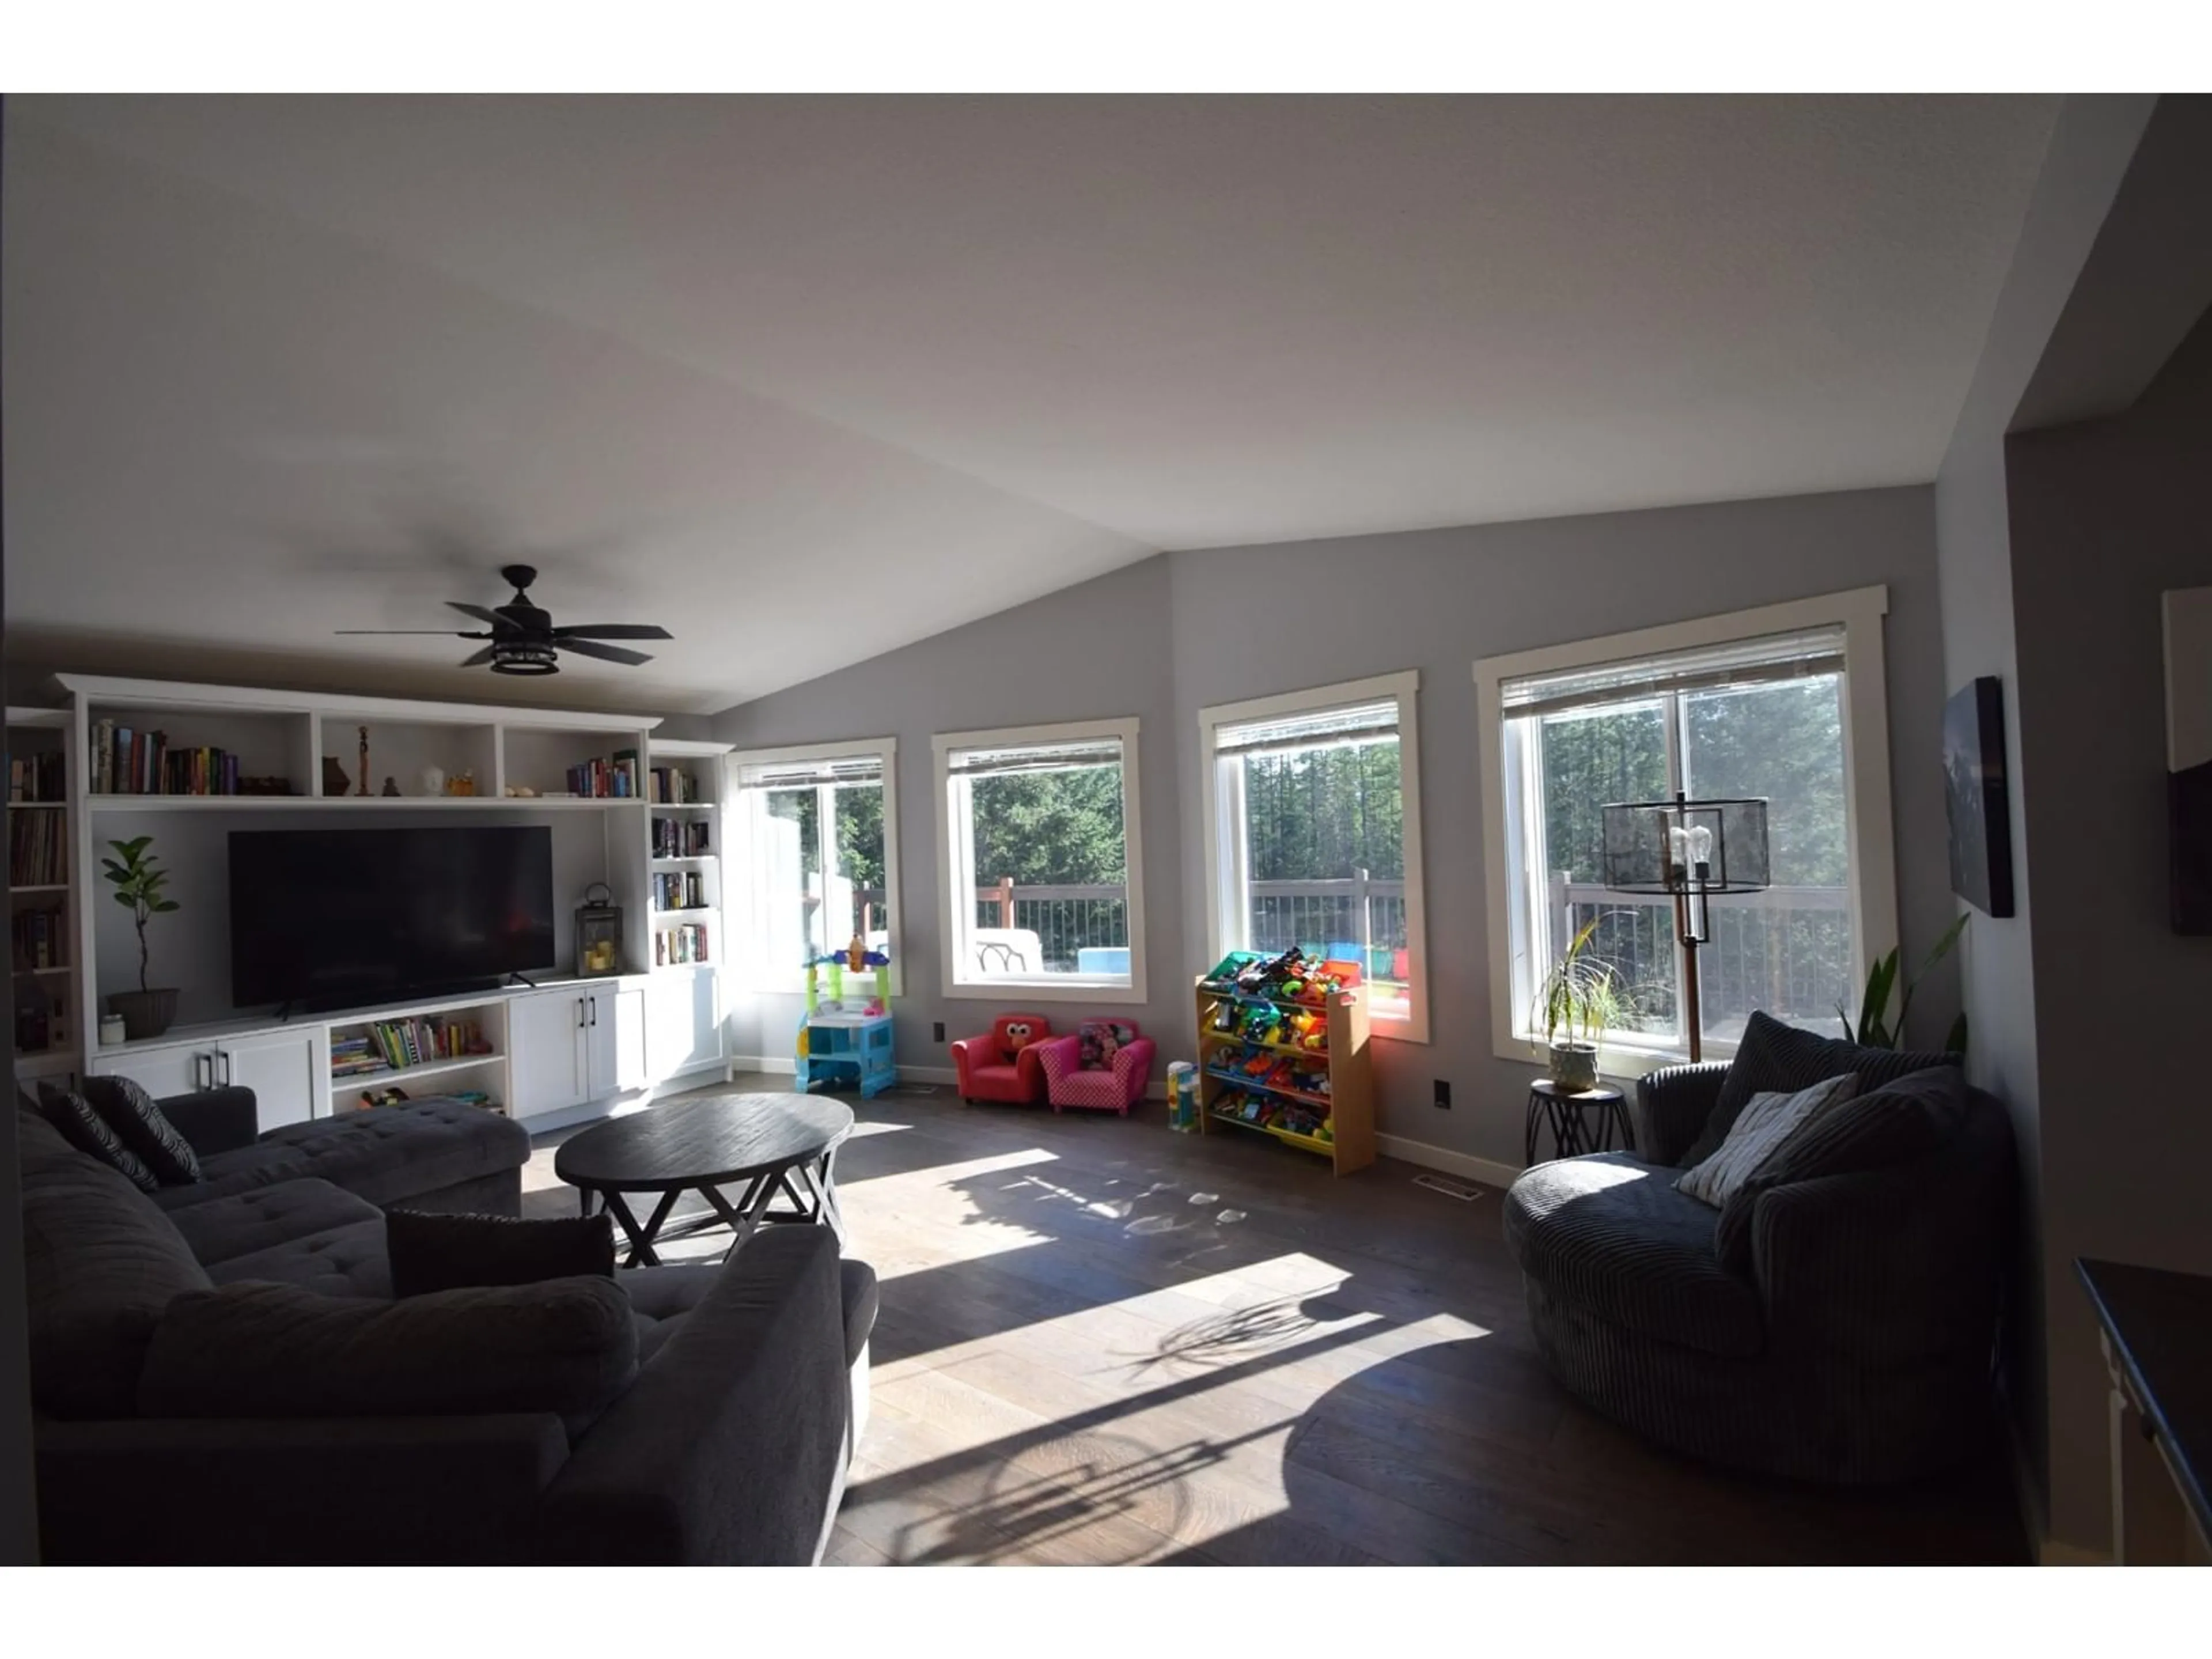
(846, 1050)
(1238, 1066)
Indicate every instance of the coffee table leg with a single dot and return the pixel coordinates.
(641, 1239)
(744, 1216)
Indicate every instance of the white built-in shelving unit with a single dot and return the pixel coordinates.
(564, 1049)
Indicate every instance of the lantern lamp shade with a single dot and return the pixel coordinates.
(1682, 846)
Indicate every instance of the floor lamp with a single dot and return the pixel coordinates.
(1687, 850)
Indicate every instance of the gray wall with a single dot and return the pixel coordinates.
(2104, 516)
(1191, 629)
(1099, 649)
(1250, 622)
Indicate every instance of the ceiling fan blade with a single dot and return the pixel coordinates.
(604, 652)
(613, 631)
(478, 612)
(446, 633)
(481, 657)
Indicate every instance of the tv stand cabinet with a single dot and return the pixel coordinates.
(557, 1051)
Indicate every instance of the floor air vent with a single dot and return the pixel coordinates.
(1463, 1191)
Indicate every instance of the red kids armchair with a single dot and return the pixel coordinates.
(1101, 1068)
(1002, 1064)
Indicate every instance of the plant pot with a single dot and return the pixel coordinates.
(145, 1013)
(1574, 1066)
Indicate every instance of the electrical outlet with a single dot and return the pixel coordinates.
(940, 1029)
(1444, 1095)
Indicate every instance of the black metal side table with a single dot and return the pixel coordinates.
(1571, 1132)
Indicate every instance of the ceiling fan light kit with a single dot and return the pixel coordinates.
(523, 639)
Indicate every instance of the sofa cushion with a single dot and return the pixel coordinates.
(1759, 1130)
(856, 1282)
(1610, 1235)
(1777, 1059)
(444, 1252)
(1909, 1118)
(662, 1298)
(346, 1260)
(141, 1125)
(383, 1153)
(565, 1347)
(244, 1224)
(85, 1129)
(101, 1264)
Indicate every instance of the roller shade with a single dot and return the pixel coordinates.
(1774, 658)
(1321, 728)
(1070, 756)
(849, 770)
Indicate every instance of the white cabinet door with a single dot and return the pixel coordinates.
(545, 1043)
(705, 1020)
(630, 1071)
(285, 1070)
(603, 1042)
(667, 1025)
(160, 1072)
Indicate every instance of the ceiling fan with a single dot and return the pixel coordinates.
(523, 638)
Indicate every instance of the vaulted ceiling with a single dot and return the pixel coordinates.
(807, 379)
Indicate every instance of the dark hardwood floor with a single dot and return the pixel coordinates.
(1105, 1342)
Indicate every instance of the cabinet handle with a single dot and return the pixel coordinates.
(226, 1067)
(580, 1013)
(204, 1070)
(595, 1011)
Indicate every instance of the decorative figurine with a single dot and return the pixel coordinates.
(335, 781)
(434, 781)
(391, 785)
(364, 760)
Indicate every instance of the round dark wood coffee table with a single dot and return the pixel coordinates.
(771, 1146)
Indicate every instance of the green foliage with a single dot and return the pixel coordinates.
(1325, 814)
(1050, 829)
(138, 880)
(1579, 996)
(1874, 1028)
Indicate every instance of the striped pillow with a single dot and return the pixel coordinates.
(1757, 1134)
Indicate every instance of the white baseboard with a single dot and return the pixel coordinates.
(1489, 1172)
(783, 1064)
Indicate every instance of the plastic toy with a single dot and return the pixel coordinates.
(1004, 1064)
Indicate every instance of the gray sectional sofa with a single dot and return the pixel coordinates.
(198, 1397)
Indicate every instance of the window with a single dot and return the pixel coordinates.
(1312, 807)
(816, 839)
(1044, 885)
(1784, 704)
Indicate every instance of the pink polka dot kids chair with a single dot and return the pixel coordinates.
(1003, 1063)
(1101, 1068)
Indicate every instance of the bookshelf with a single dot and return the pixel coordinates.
(1234, 1065)
(683, 832)
(44, 994)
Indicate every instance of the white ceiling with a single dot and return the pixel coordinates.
(807, 379)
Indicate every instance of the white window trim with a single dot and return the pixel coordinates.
(1870, 826)
(1056, 987)
(737, 875)
(1222, 850)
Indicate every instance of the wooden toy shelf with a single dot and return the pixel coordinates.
(1350, 1104)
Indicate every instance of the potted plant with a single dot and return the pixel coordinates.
(1874, 1028)
(1576, 1000)
(138, 880)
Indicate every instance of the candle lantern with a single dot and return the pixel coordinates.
(599, 932)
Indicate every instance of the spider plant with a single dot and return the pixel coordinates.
(1577, 998)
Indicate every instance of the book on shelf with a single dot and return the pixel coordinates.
(38, 849)
(39, 938)
(675, 946)
(41, 1019)
(679, 889)
(671, 786)
(128, 762)
(681, 838)
(394, 1045)
(37, 777)
(615, 778)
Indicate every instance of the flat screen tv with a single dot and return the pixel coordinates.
(327, 918)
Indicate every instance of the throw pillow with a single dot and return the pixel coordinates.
(1097, 1041)
(263, 1350)
(1777, 1059)
(141, 1125)
(432, 1253)
(1909, 1118)
(71, 1114)
(1759, 1130)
